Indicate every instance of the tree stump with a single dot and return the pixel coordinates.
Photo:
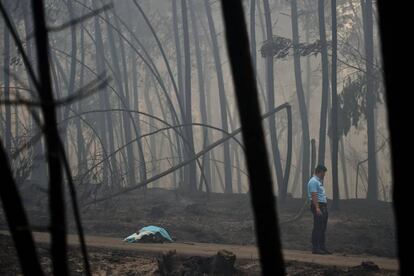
(223, 263)
(172, 264)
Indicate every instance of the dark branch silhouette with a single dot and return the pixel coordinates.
(261, 188)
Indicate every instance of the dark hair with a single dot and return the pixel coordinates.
(320, 168)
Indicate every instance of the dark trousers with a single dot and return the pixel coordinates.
(319, 226)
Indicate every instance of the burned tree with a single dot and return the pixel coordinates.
(263, 202)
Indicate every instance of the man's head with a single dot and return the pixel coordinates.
(320, 171)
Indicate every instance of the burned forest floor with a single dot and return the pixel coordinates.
(358, 228)
(105, 261)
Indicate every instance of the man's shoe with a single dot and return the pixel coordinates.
(318, 251)
(326, 252)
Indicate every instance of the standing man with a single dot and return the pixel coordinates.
(317, 196)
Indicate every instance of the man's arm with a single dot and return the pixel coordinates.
(316, 203)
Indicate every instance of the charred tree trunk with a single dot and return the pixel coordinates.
(179, 70)
(263, 199)
(239, 178)
(135, 90)
(343, 163)
(128, 120)
(263, 38)
(105, 122)
(334, 117)
(313, 155)
(215, 173)
(72, 70)
(308, 65)
(178, 51)
(192, 173)
(17, 219)
(81, 154)
(148, 105)
(393, 18)
(370, 97)
(271, 100)
(228, 182)
(6, 84)
(299, 155)
(253, 34)
(125, 101)
(100, 68)
(288, 164)
(39, 169)
(301, 98)
(325, 83)
(56, 196)
(201, 88)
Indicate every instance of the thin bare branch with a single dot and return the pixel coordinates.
(86, 91)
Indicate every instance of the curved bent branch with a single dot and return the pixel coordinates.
(150, 64)
(178, 166)
(161, 49)
(158, 119)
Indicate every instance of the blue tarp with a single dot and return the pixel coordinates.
(148, 231)
(156, 229)
(132, 238)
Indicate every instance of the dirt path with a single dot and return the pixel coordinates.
(208, 249)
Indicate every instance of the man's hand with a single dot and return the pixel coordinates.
(318, 211)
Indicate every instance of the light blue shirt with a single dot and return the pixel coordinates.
(315, 186)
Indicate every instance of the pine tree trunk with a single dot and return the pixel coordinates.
(201, 88)
(313, 155)
(334, 124)
(253, 34)
(301, 99)
(39, 169)
(105, 122)
(178, 51)
(343, 162)
(54, 146)
(6, 84)
(119, 81)
(263, 200)
(135, 90)
(271, 100)
(370, 100)
(325, 83)
(191, 181)
(81, 154)
(223, 109)
(179, 76)
(17, 220)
